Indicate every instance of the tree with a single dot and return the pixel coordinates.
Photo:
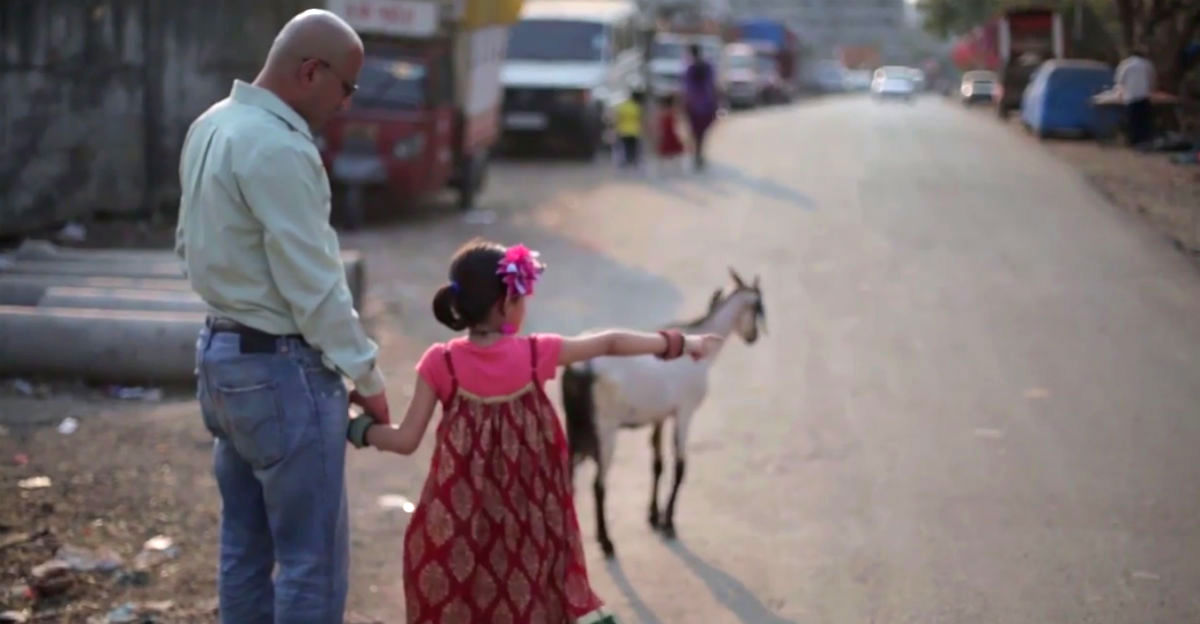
(1165, 28)
(945, 18)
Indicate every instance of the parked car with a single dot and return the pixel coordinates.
(743, 81)
(669, 60)
(918, 79)
(830, 76)
(893, 81)
(568, 65)
(775, 90)
(857, 80)
(419, 122)
(978, 86)
(1058, 98)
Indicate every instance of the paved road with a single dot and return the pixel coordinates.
(977, 401)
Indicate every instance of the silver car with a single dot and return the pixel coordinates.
(978, 86)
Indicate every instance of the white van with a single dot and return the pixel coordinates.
(569, 63)
(744, 84)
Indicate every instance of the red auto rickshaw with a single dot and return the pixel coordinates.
(426, 112)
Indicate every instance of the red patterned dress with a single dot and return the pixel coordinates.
(495, 538)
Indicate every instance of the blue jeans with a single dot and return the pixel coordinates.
(279, 420)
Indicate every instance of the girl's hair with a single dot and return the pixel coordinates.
(474, 286)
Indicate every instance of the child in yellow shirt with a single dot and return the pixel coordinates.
(629, 128)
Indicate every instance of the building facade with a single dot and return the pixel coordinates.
(824, 25)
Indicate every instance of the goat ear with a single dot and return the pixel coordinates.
(715, 299)
(737, 279)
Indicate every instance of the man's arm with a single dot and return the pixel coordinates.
(1119, 75)
(180, 246)
(284, 188)
(184, 185)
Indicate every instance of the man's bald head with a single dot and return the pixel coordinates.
(313, 53)
(315, 33)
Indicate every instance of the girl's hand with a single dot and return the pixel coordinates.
(375, 406)
(700, 346)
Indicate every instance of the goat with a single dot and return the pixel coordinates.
(606, 394)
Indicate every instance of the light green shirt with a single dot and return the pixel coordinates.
(254, 231)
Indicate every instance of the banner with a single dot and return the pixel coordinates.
(482, 13)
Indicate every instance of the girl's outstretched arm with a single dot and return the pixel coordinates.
(626, 343)
(405, 438)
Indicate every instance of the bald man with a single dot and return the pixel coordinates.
(255, 239)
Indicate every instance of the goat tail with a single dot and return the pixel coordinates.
(579, 408)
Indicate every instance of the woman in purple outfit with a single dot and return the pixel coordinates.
(699, 100)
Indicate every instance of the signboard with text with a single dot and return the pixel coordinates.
(400, 18)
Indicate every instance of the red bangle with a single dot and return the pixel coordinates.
(674, 348)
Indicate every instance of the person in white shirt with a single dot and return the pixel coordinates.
(1135, 81)
(254, 234)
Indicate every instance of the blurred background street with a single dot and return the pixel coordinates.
(976, 400)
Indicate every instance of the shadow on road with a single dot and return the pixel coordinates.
(726, 589)
(640, 608)
(680, 186)
(701, 187)
(717, 172)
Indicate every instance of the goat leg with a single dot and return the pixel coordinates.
(601, 527)
(657, 468)
(668, 526)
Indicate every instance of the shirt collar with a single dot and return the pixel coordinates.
(247, 93)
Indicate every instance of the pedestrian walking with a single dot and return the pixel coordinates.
(629, 128)
(1135, 79)
(255, 238)
(495, 537)
(670, 144)
(700, 100)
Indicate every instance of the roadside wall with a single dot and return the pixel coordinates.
(95, 97)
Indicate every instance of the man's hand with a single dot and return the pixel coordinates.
(375, 406)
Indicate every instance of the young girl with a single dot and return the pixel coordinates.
(670, 146)
(494, 537)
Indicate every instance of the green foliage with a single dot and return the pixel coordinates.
(946, 18)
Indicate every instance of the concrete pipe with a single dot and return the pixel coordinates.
(122, 299)
(147, 270)
(110, 346)
(33, 249)
(47, 251)
(97, 267)
(28, 290)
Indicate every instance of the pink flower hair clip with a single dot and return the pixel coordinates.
(520, 268)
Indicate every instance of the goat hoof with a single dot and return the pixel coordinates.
(654, 518)
(668, 531)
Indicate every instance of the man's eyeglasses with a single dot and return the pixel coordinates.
(348, 88)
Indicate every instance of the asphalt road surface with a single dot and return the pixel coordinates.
(977, 401)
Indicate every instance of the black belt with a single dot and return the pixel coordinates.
(252, 340)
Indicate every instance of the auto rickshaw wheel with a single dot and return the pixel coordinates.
(354, 207)
(589, 146)
(473, 180)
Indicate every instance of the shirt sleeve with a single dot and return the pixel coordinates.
(549, 347)
(1119, 74)
(285, 187)
(180, 230)
(432, 368)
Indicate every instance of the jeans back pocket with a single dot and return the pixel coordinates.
(246, 400)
